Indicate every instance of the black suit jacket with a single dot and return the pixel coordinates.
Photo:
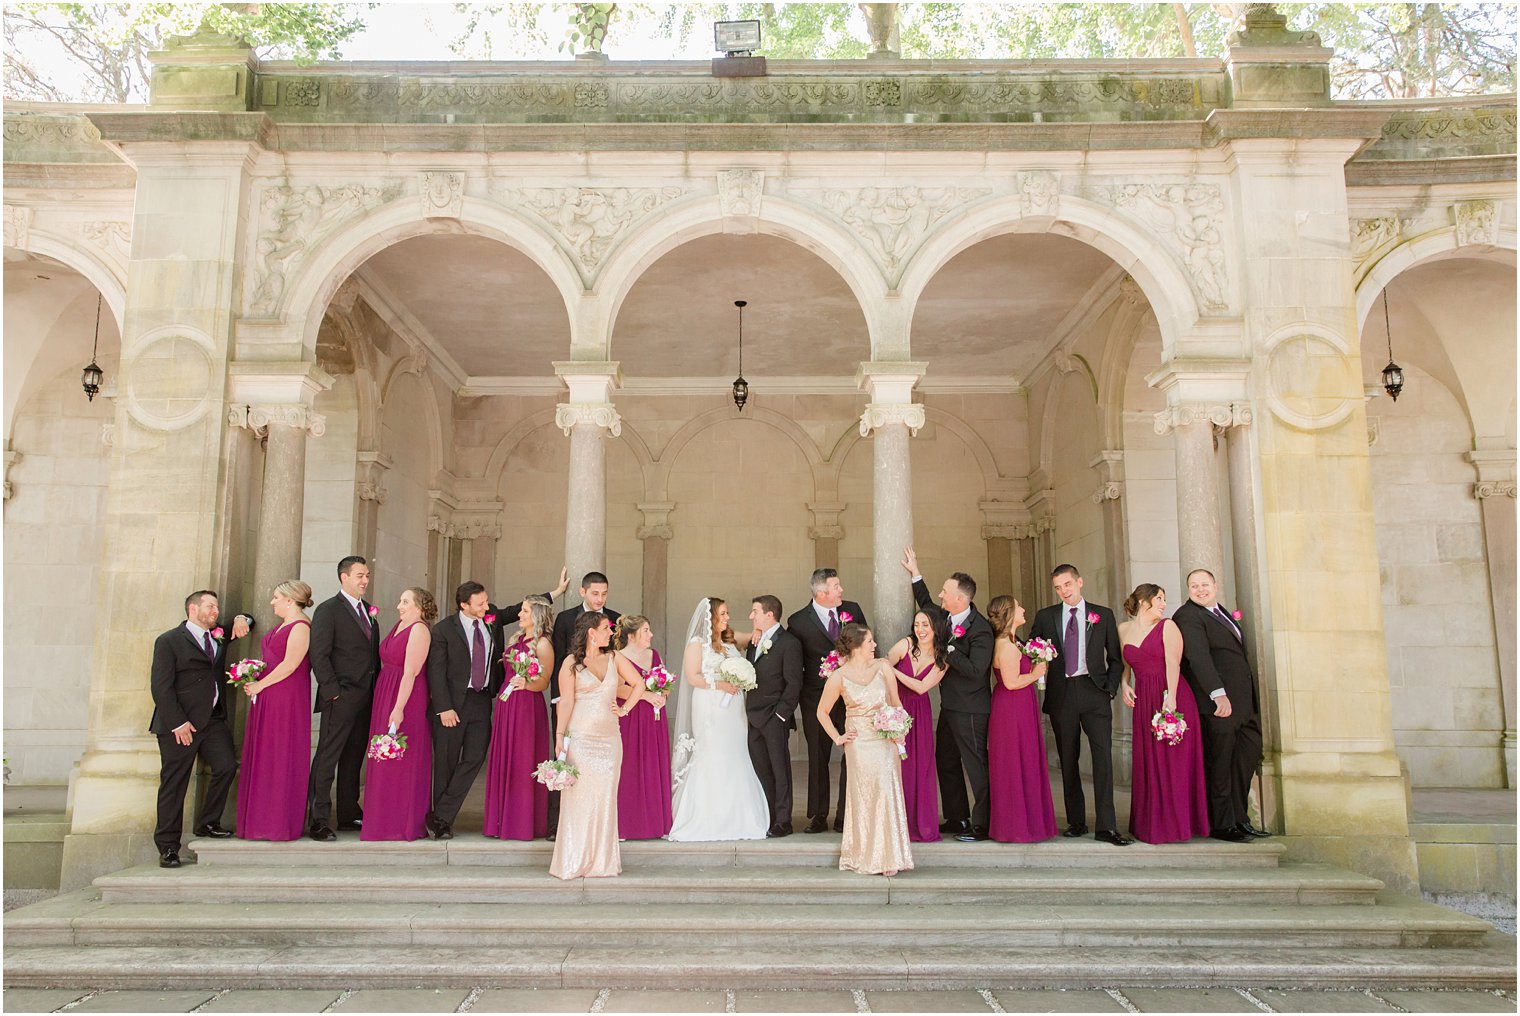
(816, 644)
(778, 681)
(448, 664)
(1105, 660)
(564, 630)
(1213, 657)
(967, 685)
(344, 657)
(184, 682)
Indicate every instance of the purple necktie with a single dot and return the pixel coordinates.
(210, 651)
(363, 617)
(478, 660)
(1071, 645)
(833, 626)
(1226, 619)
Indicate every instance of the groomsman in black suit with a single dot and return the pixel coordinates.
(965, 700)
(465, 672)
(1214, 662)
(777, 656)
(816, 626)
(345, 658)
(594, 588)
(1078, 698)
(190, 718)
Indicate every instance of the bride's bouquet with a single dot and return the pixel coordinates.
(1168, 725)
(893, 723)
(245, 672)
(739, 672)
(1039, 650)
(556, 774)
(387, 747)
(657, 680)
(524, 664)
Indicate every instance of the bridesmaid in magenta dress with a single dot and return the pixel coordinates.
(1168, 802)
(644, 811)
(920, 662)
(1018, 778)
(517, 805)
(277, 741)
(398, 792)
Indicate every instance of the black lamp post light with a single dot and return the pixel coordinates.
(92, 375)
(741, 386)
(1393, 374)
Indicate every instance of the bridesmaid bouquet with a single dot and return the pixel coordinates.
(1039, 650)
(893, 723)
(387, 747)
(556, 774)
(739, 672)
(524, 664)
(830, 664)
(245, 672)
(657, 681)
(1168, 725)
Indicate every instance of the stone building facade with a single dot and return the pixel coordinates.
(477, 321)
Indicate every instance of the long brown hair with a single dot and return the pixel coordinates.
(939, 623)
(713, 603)
(1000, 613)
(584, 626)
(542, 612)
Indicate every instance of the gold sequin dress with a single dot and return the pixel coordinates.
(875, 818)
(586, 844)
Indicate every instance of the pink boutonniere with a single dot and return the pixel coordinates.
(846, 616)
(1092, 617)
(218, 634)
(490, 619)
(1237, 615)
(374, 612)
(958, 632)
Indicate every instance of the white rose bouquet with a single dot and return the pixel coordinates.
(739, 672)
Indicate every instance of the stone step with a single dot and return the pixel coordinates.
(1490, 965)
(778, 887)
(821, 850)
(83, 919)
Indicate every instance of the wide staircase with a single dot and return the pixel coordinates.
(764, 914)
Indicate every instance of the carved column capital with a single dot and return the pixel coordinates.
(568, 415)
(878, 415)
(372, 492)
(1025, 531)
(1110, 491)
(1044, 524)
(1219, 414)
(656, 520)
(826, 524)
(258, 418)
(1493, 488)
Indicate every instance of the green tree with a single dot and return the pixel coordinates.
(107, 45)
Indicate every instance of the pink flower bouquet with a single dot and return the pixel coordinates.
(893, 723)
(386, 747)
(1039, 650)
(245, 672)
(1168, 725)
(556, 774)
(524, 664)
(657, 681)
(830, 664)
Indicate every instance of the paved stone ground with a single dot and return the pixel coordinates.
(590, 1000)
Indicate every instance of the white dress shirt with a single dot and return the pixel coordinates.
(199, 634)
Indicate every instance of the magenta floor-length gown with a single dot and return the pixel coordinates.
(397, 792)
(1168, 802)
(517, 805)
(644, 786)
(920, 783)
(277, 749)
(1022, 811)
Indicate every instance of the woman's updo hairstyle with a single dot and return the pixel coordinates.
(295, 589)
(425, 604)
(627, 626)
(1000, 613)
(851, 637)
(1144, 593)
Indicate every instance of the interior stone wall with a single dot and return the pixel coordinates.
(327, 527)
(1075, 440)
(401, 541)
(1448, 715)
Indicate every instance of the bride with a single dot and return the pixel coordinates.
(717, 795)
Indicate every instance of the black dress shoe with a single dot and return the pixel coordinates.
(1109, 836)
(786, 829)
(973, 835)
(323, 833)
(213, 831)
(1073, 831)
(839, 823)
(169, 859)
(445, 831)
(351, 826)
(817, 824)
(1251, 830)
(1229, 836)
(951, 828)
(551, 836)
(773, 832)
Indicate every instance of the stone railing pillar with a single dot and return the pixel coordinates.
(1495, 491)
(890, 419)
(655, 534)
(585, 418)
(826, 532)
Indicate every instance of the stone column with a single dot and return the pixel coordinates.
(890, 418)
(585, 418)
(1199, 526)
(1495, 491)
(1110, 468)
(655, 534)
(1029, 591)
(826, 532)
(163, 525)
(1000, 525)
(370, 492)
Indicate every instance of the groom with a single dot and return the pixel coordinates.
(777, 657)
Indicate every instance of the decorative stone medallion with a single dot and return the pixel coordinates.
(169, 378)
(1311, 381)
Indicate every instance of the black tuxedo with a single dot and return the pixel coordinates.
(965, 706)
(345, 659)
(1084, 704)
(772, 708)
(816, 644)
(1214, 658)
(460, 750)
(189, 686)
(564, 631)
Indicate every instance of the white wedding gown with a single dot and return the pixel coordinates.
(720, 797)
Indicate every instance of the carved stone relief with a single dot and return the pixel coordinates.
(1039, 192)
(442, 195)
(293, 220)
(112, 236)
(18, 225)
(1369, 236)
(590, 221)
(1191, 215)
(740, 192)
(893, 220)
(1477, 223)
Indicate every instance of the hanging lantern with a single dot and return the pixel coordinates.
(741, 386)
(91, 377)
(1393, 374)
